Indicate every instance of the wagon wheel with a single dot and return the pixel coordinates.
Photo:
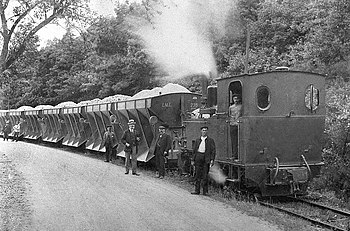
(253, 197)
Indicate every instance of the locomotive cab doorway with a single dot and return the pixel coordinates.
(234, 113)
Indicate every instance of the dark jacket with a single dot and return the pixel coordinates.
(7, 128)
(163, 144)
(210, 149)
(130, 138)
(110, 141)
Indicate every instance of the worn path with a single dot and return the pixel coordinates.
(60, 190)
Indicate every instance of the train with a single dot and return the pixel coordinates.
(280, 131)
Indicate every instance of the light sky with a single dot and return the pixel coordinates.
(49, 32)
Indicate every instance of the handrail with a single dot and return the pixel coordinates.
(307, 166)
(277, 169)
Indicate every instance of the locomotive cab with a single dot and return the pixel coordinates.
(279, 131)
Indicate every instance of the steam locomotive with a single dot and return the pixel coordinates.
(279, 133)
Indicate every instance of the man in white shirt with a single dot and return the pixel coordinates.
(16, 130)
(204, 152)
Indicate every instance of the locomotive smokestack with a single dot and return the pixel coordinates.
(212, 96)
(212, 92)
(204, 81)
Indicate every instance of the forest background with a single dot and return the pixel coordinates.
(152, 42)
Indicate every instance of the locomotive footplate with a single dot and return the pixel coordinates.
(286, 180)
(287, 176)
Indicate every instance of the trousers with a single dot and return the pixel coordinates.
(108, 153)
(201, 173)
(160, 163)
(131, 158)
(16, 136)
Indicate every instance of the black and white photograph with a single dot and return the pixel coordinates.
(167, 115)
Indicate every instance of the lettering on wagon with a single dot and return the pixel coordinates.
(166, 104)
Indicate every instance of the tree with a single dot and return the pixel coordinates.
(326, 48)
(27, 18)
(106, 59)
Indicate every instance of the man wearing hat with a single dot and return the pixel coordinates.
(109, 139)
(204, 152)
(235, 111)
(163, 145)
(6, 130)
(131, 139)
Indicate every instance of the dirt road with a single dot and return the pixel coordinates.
(43, 188)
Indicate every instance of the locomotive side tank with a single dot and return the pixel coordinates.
(279, 133)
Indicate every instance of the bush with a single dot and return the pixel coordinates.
(335, 175)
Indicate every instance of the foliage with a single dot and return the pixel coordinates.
(335, 174)
(20, 21)
(107, 59)
(27, 17)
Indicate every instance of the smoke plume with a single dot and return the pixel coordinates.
(180, 36)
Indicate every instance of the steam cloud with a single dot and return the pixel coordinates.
(179, 37)
(217, 174)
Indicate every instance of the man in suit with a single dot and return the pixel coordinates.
(204, 152)
(7, 130)
(163, 145)
(109, 141)
(131, 139)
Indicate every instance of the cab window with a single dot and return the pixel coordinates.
(312, 98)
(263, 98)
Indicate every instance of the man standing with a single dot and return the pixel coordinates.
(163, 145)
(16, 131)
(6, 130)
(109, 139)
(131, 139)
(235, 111)
(204, 152)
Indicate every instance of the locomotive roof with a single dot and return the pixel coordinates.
(269, 72)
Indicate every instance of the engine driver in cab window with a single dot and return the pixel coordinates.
(235, 111)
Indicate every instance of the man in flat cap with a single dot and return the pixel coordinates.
(109, 140)
(204, 152)
(163, 145)
(131, 139)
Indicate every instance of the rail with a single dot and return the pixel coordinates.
(307, 218)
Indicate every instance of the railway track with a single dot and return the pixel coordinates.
(318, 214)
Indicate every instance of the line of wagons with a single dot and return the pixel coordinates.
(279, 133)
